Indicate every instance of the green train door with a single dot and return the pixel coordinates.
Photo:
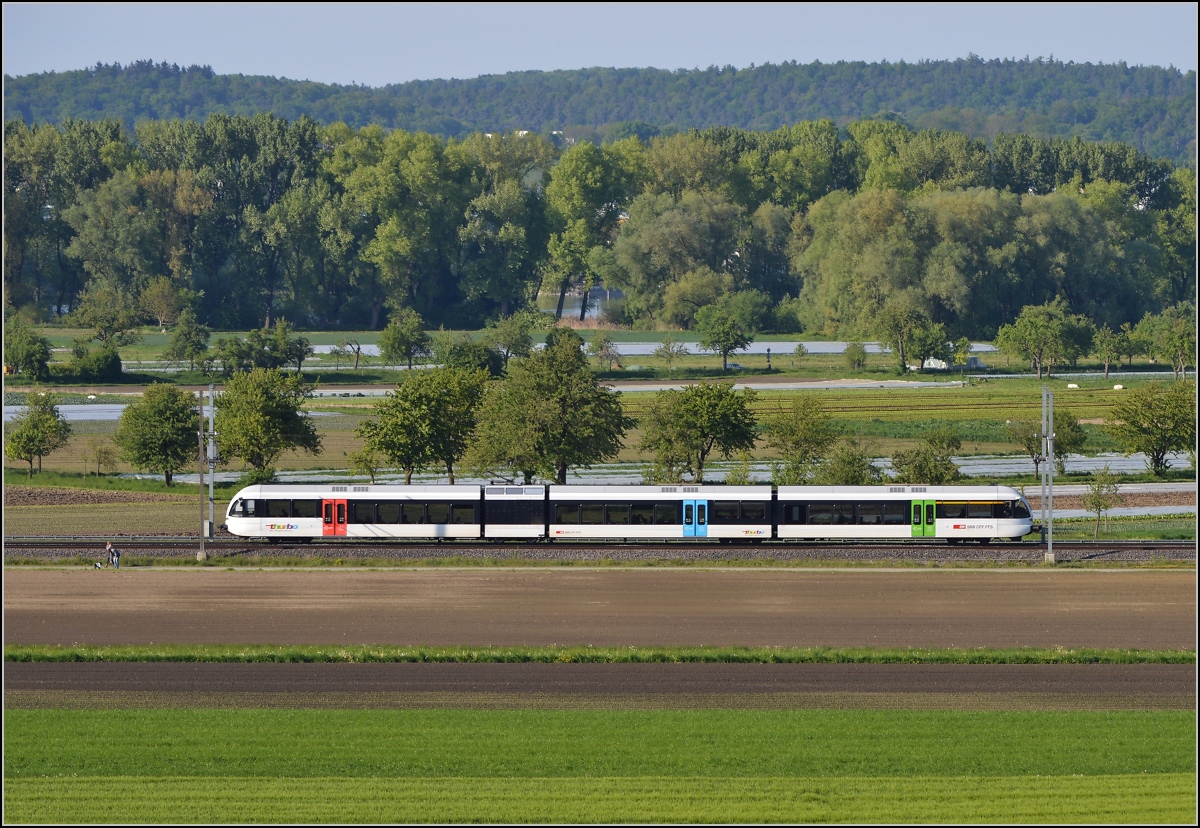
(924, 512)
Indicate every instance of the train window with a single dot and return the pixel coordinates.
(341, 513)
(242, 508)
(820, 514)
(929, 514)
(305, 508)
(895, 514)
(979, 510)
(1020, 510)
(566, 513)
(462, 513)
(616, 514)
(687, 514)
(916, 514)
(701, 514)
(387, 513)
(412, 512)
(666, 514)
(279, 508)
(329, 513)
(843, 513)
(724, 511)
(641, 514)
(793, 513)
(870, 514)
(362, 512)
(592, 513)
(952, 511)
(439, 512)
(755, 511)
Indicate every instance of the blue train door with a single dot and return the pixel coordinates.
(695, 518)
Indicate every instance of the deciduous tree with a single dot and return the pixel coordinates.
(37, 430)
(681, 429)
(259, 417)
(158, 432)
(1156, 419)
(551, 414)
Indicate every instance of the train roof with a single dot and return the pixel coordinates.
(332, 492)
(900, 492)
(674, 492)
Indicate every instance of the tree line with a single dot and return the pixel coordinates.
(242, 221)
(1150, 107)
(550, 415)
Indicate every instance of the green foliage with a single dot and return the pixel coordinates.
(189, 341)
(428, 419)
(1027, 434)
(511, 336)
(36, 431)
(855, 356)
(1102, 494)
(461, 351)
(1156, 419)
(258, 417)
(404, 339)
(159, 432)
(1069, 437)
(722, 331)
(25, 350)
(670, 351)
(98, 365)
(801, 433)
(550, 414)
(849, 464)
(681, 429)
(929, 463)
(111, 312)
(162, 300)
(366, 461)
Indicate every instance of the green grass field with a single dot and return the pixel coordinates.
(617, 765)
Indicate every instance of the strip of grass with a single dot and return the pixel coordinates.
(232, 653)
(573, 743)
(1137, 798)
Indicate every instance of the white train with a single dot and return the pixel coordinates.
(620, 513)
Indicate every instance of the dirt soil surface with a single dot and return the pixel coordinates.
(622, 607)
(53, 496)
(1129, 500)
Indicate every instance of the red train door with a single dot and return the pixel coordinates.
(333, 517)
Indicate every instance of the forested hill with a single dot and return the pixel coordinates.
(1150, 107)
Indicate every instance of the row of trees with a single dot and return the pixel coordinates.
(1048, 335)
(245, 220)
(1149, 106)
(551, 415)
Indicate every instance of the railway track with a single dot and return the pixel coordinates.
(1016, 551)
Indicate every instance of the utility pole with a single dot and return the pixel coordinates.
(1047, 475)
(211, 458)
(201, 555)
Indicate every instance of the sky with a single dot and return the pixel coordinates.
(380, 44)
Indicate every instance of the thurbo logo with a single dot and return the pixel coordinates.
(282, 526)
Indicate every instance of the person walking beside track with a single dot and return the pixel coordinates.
(114, 556)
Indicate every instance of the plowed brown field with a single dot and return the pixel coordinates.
(1146, 609)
